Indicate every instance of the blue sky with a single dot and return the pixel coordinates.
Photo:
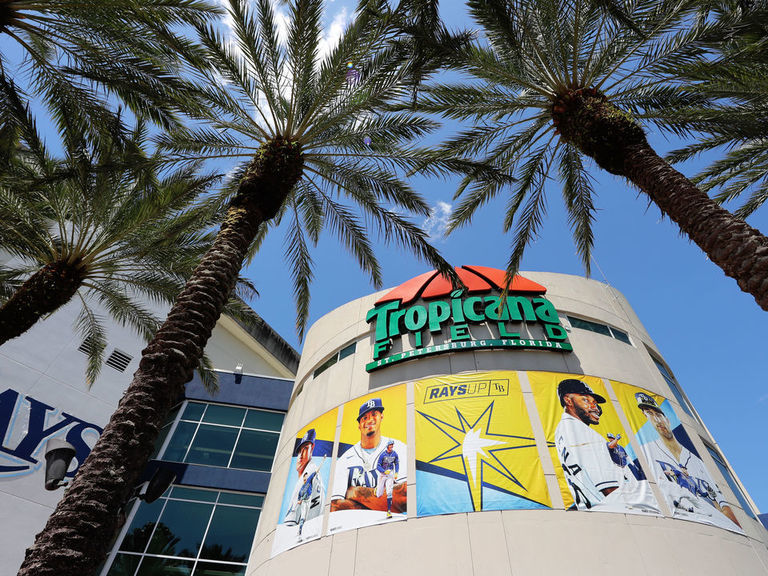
(711, 334)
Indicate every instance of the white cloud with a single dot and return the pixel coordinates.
(437, 223)
(329, 40)
(332, 33)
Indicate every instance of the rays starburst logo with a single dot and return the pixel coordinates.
(478, 454)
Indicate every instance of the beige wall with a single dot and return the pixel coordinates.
(514, 541)
(230, 345)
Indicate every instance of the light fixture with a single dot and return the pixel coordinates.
(157, 485)
(58, 456)
(238, 373)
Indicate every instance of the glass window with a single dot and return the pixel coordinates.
(348, 351)
(228, 415)
(226, 436)
(183, 493)
(255, 450)
(674, 387)
(193, 411)
(264, 420)
(189, 531)
(591, 326)
(212, 445)
(124, 564)
(241, 499)
(142, 526)
(230, 534)
(180, 441)
(620, 335)
(726, 472)
(325, 365)
(209, 569)
(599, 328)
(164, 431)
(180, 528)
(151, 566)
(340, 355)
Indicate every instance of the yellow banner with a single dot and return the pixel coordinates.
(474, 446)
(370, 477)
(674, 463)
(594, 462)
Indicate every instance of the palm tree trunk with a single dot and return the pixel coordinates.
(587, 120)
(77, 537)
(738, 248)
(44, 292)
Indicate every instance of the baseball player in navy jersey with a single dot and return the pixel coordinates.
(388, 466)
(594, 468)
(356, 477)
(681, 475)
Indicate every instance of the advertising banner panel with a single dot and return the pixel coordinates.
(301, 513)
(475, 448)
(594, 462)
(371, 473)
(674, 462)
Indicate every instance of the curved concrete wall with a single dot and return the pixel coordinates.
(509, 541)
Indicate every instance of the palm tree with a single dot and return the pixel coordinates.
(737, 78)
(314, 131)
(133, 49)
(101, 226)
(558, 80)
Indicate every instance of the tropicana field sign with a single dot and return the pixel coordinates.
(428, 306)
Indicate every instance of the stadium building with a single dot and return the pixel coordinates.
(217, 448)
(536, 430)
(427, 430)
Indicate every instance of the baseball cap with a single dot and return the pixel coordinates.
(391, 443)
(372, 404)
(573, 386)
(308, 438)
(646, 401)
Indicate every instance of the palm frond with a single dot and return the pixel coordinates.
(90, 326)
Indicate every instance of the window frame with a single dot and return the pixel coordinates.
(161, 453)
(168, 496)
(573, 321)
(677, 390)
(338, 356)
(730, 478)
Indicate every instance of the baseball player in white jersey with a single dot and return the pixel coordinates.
(313, 505)
(681, 474)
(356, 478)
(305, 493)
(595, 468)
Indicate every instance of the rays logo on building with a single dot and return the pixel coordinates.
(25, 426)
(437, 319)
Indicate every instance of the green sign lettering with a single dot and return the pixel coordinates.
(455, 316)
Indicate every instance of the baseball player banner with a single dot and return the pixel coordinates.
(371, 471)
(595, 465)
(673, 460)
(301, 512)
(475, 448)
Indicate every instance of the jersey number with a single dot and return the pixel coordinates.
(570, 469)
(573, 470)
